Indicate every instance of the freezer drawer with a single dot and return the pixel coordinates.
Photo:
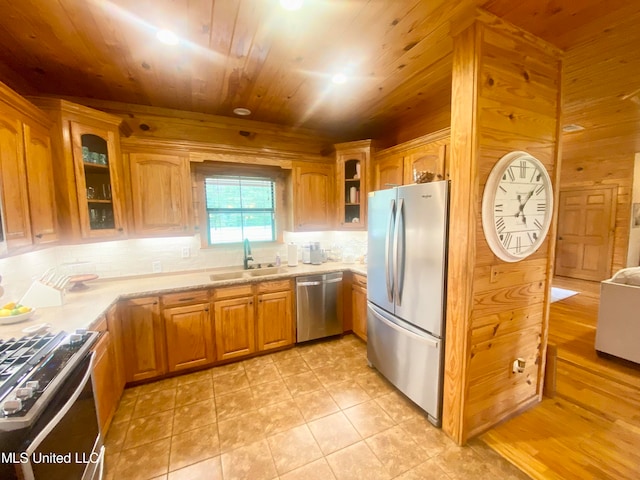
(410, 359)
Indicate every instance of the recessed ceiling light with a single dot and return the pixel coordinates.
(572, 127)
(242, 111)
(339, 78)
(168, 37)
(291, 4)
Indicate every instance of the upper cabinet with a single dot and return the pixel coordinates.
(88, 170)
(160, 193)
(28, 205)
(397, 165)
(352, 173)
(312, 196)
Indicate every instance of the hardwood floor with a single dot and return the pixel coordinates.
(591, 428)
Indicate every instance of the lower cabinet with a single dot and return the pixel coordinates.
(359, 305)
(106, 392)
(275, 315)
(235, 327)
(143, 339)
(189, 336)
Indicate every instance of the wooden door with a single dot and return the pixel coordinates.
(143, 339)
(104, 382)
(234, 327)
(114, 325)
(359, 310)
(98, 183)
(275, 320)
(160, 187)
(313, 196)
(389, 172)
(42, 203)
(585, 233)
(15, 199)
(189, 334)
(428, 158)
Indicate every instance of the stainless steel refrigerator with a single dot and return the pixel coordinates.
(406, 288)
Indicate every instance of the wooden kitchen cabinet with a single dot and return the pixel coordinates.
(161, 193)
(352, 173)
(114, 325)
(275, 324)
(234, 327)
(143, 339)
(427, 158)
(28, 203)
(88, 170)
(106, 391)
(388, 170)
(188, 330)
(359, 305)
(313, 205)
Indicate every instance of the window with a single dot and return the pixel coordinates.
(239, 207)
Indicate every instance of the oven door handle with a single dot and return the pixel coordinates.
(56, 419)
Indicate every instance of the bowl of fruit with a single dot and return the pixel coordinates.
(13, 312)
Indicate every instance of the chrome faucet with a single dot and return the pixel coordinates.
(247, 253)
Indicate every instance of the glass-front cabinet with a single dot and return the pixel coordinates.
(97, 176)
(352, 167)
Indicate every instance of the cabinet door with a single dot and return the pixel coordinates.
(114, 325)
(359, 311)
(428, 158)
(313, 197)
(275, 320)
(143, 339)
(389, 172)
(352, 189)
(15, 200)
(98, 181)
(42, 203)
(104, 384)
(161, 189)
(189, 334)
(234, 327)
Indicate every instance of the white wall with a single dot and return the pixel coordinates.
(633, 255)
(134, 257)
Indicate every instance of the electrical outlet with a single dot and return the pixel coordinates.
(186, 252)
(156, 266)
(518, 365)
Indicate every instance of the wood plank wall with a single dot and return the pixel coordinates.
(506, 91)
(600, 78)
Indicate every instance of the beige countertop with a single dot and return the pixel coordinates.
(82, 308)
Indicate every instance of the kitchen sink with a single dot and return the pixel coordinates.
(216, 277)
(259, 272)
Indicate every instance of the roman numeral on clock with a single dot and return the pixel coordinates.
(500, 225)
(498, 208)
(537, 224)
(512, 177)
(518, 244)
(539, 190)
(506, 241)
(541, 207)
(523, 169)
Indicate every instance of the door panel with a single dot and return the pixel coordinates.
(585, 233)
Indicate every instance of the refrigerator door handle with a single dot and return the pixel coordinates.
(398, 252)
(387, 247)
(401, 330)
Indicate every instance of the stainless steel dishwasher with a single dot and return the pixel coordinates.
(319, 311)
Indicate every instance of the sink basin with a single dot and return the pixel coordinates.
(227, 275)
(259, 272)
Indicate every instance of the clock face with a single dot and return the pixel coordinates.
(517, 206)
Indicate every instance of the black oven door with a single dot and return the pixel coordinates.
(64, 443)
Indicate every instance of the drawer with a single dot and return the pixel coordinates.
(231, 292)
(186, 298)
(359, 280)
(274, 286)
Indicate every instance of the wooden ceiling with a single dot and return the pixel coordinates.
(254, 54)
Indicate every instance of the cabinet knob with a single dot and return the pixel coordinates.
(120, 229)
(38, 235)
(206, 309)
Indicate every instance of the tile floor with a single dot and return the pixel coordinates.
(312, 412)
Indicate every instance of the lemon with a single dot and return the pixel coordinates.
(5, 312)
(10, 306)
(24, 309)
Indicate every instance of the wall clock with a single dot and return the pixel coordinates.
(517, 206)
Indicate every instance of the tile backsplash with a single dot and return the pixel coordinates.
(124, 258)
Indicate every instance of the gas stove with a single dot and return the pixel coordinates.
(32, 368)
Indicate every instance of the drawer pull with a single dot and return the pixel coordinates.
(186, 299)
